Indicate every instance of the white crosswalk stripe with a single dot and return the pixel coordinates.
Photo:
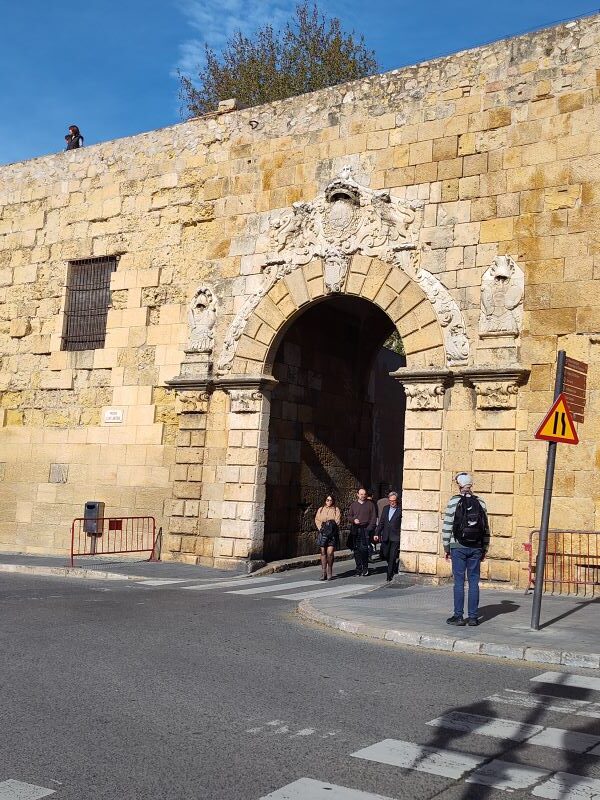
(435, 761)
(160, 582)
(569, 679)
(507, 776)
(346, 589)
(228, 584)
(561, 705)
(17, 790)
(278, 588)
(571, 741)
(564, 786)
(486, 726)
(496, 728)
(309, 789)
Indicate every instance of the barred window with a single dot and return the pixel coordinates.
(87, 303)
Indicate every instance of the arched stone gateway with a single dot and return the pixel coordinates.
(350, 245)
(336, 417)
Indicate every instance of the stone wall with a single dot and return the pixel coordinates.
(494, 152)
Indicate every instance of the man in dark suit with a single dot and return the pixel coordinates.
(388, 530)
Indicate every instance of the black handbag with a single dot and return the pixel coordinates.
(326, 536)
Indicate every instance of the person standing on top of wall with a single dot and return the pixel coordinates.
(74, 138)
(466, 540)
(362, 518)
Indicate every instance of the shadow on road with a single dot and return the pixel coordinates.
(507, 750)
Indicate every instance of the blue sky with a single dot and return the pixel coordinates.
(111, 67)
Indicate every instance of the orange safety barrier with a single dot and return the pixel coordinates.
(572, 561)
(114, 535)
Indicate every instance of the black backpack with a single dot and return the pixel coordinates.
(470, 521)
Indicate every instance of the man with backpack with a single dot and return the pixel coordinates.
(466, 539)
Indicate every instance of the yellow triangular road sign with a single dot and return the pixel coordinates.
(558, 425)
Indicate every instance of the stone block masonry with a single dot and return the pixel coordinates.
(461, 197)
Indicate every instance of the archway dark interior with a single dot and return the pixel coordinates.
(337, 418)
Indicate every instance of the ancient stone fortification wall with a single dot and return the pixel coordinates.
(494, 152)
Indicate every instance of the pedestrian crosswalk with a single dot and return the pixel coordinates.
(522, 761)
(17, 790)
(277, 586)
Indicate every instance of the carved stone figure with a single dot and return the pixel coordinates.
(502, 290)
(202, 316)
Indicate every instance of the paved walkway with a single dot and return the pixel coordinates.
(103, 567)
(416, 615)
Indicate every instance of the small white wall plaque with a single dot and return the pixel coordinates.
(113, 416)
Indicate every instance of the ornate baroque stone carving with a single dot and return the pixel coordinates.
(502, 290)
(424, 396)
(346, 219)
(424, 388)
(244, 401)
(192, 402)
(496, 395)
(496, 388)
(202, 316)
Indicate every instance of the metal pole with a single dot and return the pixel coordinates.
(540, 564)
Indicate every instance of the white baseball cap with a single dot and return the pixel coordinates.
(464, 479)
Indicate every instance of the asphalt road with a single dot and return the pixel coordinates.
(137, 691)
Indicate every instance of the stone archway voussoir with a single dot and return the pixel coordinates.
(375, 279)
(250, 348)
(354, 284)
(297, 288)
(269, 312)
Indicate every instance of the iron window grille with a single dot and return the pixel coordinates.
(87, 303)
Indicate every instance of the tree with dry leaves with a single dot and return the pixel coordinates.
(311, 52)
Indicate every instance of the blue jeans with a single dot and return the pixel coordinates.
(466, 560)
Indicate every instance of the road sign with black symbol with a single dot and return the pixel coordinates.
(558, 424)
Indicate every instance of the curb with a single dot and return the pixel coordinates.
(69, 572)
(533, 655)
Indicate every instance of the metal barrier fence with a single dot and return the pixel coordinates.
(572, 561)
(113, 536)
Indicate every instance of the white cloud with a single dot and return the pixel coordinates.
(214, 21)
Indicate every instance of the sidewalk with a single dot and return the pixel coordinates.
(107, 568)
(416, 615)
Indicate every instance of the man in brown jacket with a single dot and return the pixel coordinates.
(362, 518)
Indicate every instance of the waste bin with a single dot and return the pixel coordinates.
(93, 517)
